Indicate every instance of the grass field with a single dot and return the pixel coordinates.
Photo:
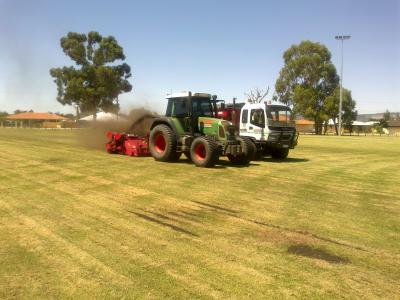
(80, 223)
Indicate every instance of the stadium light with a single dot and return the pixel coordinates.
(341, 38)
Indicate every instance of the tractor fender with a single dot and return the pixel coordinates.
(165, 121)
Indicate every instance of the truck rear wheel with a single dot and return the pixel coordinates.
(248, 151)
(204, 152)
(279, 153)
(162, 143)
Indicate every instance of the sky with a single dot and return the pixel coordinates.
(221, 47)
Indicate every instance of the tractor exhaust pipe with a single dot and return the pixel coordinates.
(233, 115)
(192, 117)
(214, 104)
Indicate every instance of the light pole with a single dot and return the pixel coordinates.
(341, 38)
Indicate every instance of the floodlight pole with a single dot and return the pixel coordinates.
(341, 38)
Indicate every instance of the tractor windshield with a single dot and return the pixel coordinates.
(279, 116)
(179, 107)
(202, 107)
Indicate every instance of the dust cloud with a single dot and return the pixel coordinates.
(137, 121)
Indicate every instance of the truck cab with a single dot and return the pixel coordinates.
(271, 126)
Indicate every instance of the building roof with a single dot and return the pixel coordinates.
(356, 123)
(35, 116)
(103, 116)
(369, 123)
(304, 122)
(394, 123)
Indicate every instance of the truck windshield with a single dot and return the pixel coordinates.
(279, 116)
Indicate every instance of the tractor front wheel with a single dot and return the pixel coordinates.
(162, 143)
(204, 152)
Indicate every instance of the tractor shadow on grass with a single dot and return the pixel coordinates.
(235, 214)
(284, 161)
(221, 164)
(156, 219)
(316, 253)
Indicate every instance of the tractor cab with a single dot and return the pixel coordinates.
(186, 109)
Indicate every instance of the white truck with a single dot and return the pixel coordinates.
(270, 126)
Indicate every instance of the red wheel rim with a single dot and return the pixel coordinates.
(200, 151)
(159, 143)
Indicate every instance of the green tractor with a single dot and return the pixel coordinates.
(191, 126)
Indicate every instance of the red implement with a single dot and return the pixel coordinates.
(127, 144)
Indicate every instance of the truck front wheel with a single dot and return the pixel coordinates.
(249, 150)
(279, 153)
(204, 152)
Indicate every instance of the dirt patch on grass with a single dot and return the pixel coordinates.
(282, 237)
(302, 245)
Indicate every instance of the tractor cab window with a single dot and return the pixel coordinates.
(177, 107)
(202, 107)
(257, 117)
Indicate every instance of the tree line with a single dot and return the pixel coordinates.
(309, 82)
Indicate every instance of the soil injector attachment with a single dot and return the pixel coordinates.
(128, 144)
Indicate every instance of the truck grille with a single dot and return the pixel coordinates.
(286, 136)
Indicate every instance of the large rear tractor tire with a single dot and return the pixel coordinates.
(280, 153)
(249, 151)
(162, 144)
(204, 152)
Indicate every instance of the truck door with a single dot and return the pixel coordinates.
(244, 119)
(256, 124)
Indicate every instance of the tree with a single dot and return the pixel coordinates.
(349, 113)
(384, 121)
(386, 115)
(306, 79)
(3, 116)
(257, 95)
(19, 111)
(96, 81)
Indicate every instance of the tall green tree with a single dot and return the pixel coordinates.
(384, 121)
(96, 80)
(3, 116)
(306, 80)
(349, 112)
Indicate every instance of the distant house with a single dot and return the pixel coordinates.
(305, 126)
(394, 127)
(363, 127)
(356, 127)
(38, 120)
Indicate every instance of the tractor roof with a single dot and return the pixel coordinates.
(186, 94)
